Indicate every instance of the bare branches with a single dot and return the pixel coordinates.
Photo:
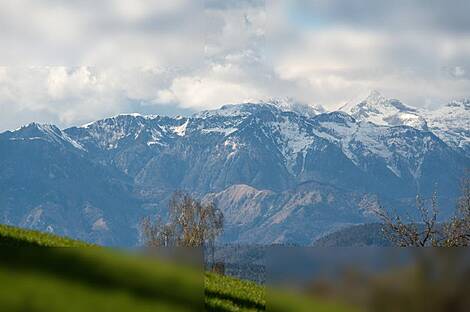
(398, 232)
(458, 229)
(427, 231)
(157, 234)
(428, 236)
(190, 224)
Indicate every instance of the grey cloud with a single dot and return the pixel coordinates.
(110, 32)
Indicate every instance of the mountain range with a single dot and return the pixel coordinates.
(281, 171)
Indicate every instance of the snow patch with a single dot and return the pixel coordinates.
(100, 225)
(224, 131)
(294, 141)
(181, 130)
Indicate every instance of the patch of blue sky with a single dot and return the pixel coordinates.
(304, 16)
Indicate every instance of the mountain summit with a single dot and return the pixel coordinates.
(290, 105)
(42, 132)
(452, 123)
(380, 110)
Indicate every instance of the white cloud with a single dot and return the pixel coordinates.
(199, 92)
(74, 95)
(332, 63)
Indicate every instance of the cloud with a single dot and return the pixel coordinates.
(197, 92)
(334, 50)
(117, 33)
(73, 62)
(73, 95)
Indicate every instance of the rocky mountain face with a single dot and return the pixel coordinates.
(48, 182)
(281, 171)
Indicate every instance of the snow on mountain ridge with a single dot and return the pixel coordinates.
(383, 111)
(227, 110)
(451, 123)
(45, 132)
(292, 140)
(282, 104)
(290, 105)
(181, 130)
(464, 103)
(135, 115)
(295, 134)
(360, 141)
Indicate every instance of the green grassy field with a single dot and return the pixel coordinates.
(35, 277)
(17, 237)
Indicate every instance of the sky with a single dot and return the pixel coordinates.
(72, 62)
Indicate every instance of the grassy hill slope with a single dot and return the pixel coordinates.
(17, 237)
(37, 278)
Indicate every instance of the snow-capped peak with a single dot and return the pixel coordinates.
(375, 98)
(290, 105)
(47, 132)
(462, 104)
(451, 123)
(375, 102)
(380, 110)
(285, 104)
(123, 116)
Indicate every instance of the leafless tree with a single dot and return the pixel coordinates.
(457, 231)
(191, 223)
(427, 231)
(404, 232)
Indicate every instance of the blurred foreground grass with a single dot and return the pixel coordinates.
(35, 277)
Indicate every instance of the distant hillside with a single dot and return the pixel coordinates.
(355, 236)
(102, 279)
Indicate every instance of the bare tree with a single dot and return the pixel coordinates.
(157, 234)
(191, 223)
(427, 231)
(457, 231)
(405, 232)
